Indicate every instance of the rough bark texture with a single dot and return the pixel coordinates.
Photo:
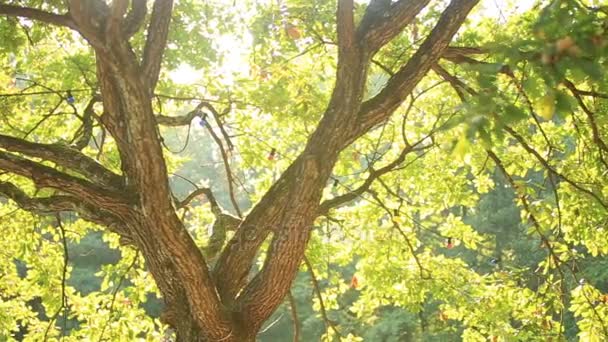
(221, 304)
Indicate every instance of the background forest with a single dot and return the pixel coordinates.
(478, 211)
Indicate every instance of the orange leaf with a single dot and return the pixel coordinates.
(292, 31)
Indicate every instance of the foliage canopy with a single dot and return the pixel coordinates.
(202, 170)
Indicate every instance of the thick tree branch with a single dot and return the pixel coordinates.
(380, 26)
(64, 156)
(55, 204)
(35, 14)
(89, 18)
(44, 176)
(308, 171)
(179, 267)
(380, 107)
(158, 30)
(345, 24)
(136, 17)
(290, 206)
(41, 206)
(115, 21)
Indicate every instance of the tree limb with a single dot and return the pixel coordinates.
(460, 54)
(377, 29)
(55, 204)
(115, 21)
(456, 84)
(227, 169)
(289, 207)
(135, 17)
(35, 14)
(597, 138)
(345, 24)
(44, 176)
(183, 120)
(89, 18)
(374, 174)
(158, 30)
(380, 107)
(66, 157)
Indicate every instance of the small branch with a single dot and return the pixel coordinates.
(384, 68)
(123, 277)
(223, 221)
(549, 168)
(217, 117)
(174, 121)
(456, 84)
(424, 273)
(294, 317)
(215, 208)
(229, 176)
(544, 239)
(87, 125)
(597, 138)
(64, 300)
(589, 93)
(317, 289)
(337, 201)
(396, 225)
(44, 92)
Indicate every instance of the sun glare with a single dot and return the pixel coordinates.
(234, 49)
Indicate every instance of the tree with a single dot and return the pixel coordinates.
(213, 290)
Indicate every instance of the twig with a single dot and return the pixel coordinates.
(294, 317)
(545, 241)
(317, 289)
(115, 293)
(229, 176)
(63, 305)
(549, 168)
